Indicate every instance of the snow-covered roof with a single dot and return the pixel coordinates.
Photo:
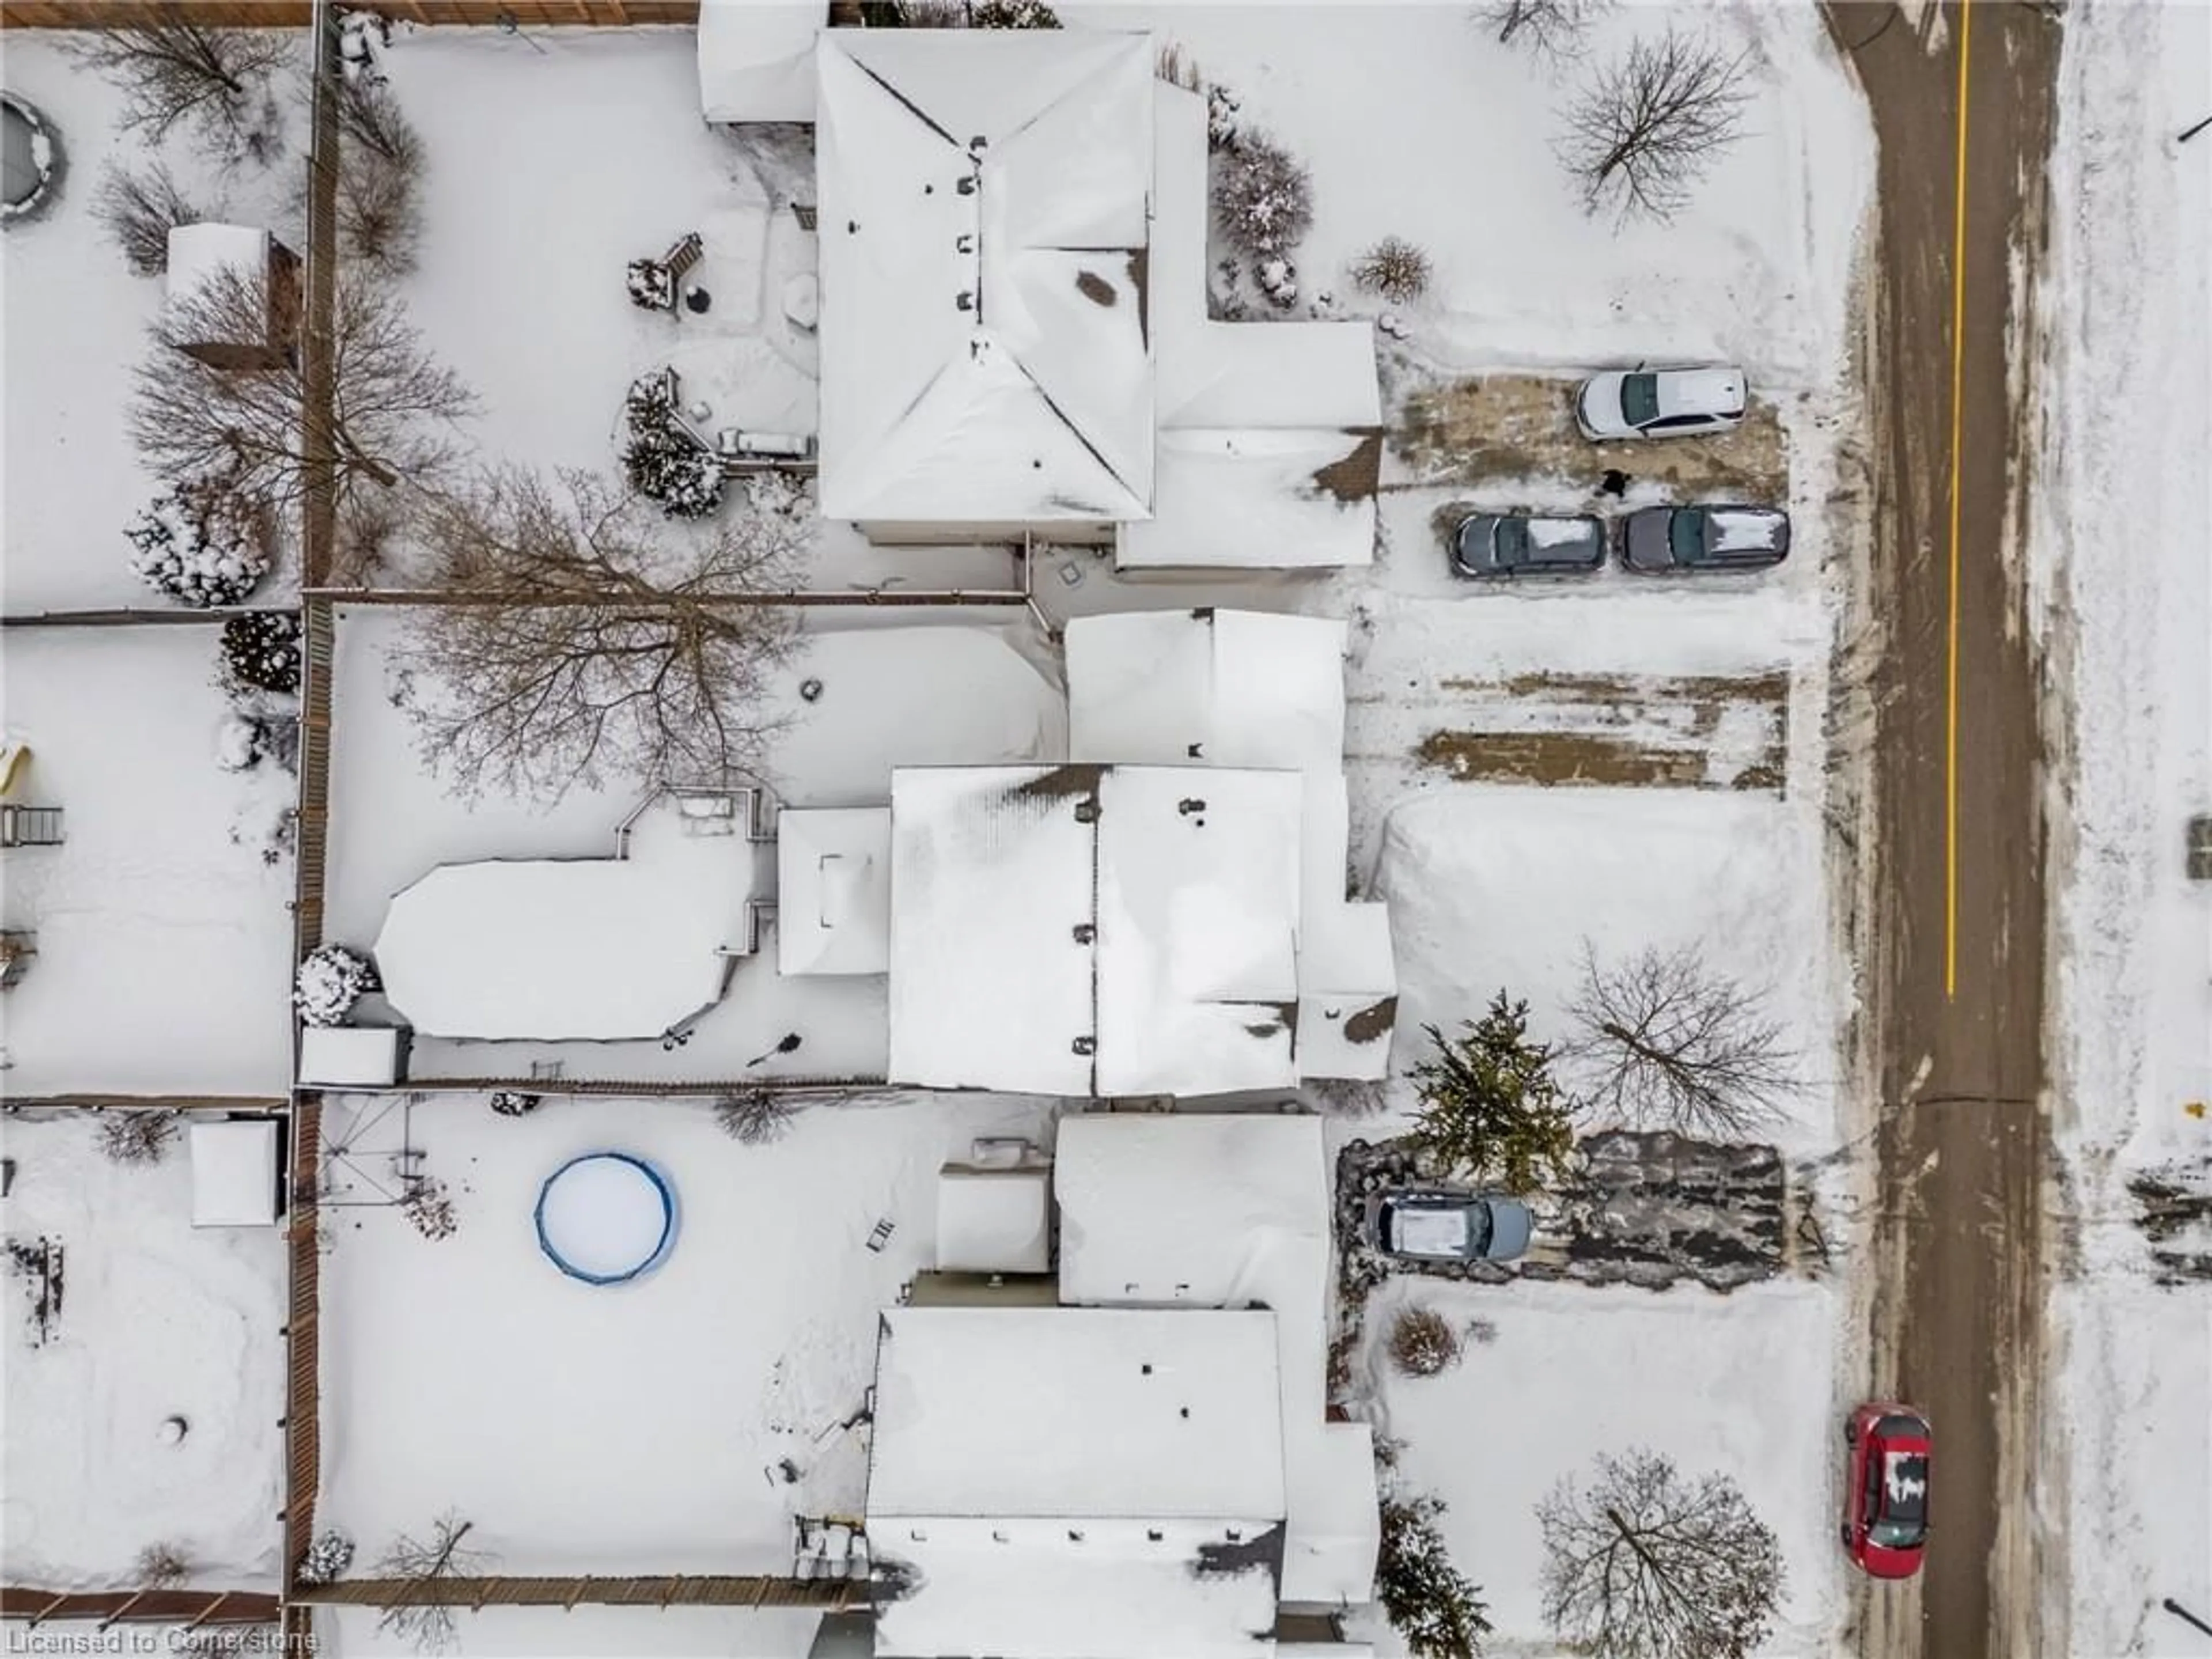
(756, 58)
(1093, 930)
(234, 1172)
(197, 253)
(1347, 990)
(1113, 1413)
(350, 1056)
(1223, 1211)
(1207, 687)
(994, 1221)
(1257, 498)
(561, 948)
(1051, 1477)
(833, 903)
(983, 202)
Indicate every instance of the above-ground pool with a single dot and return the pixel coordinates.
(605, 1217)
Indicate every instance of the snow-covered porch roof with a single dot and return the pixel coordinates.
(1094, 930)
(833, 906)
(756, 58)
(984, 202)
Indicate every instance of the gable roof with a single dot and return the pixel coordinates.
(984, 213)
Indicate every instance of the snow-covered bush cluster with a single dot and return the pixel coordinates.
(362, 37)
(137, 1136)
(511, 1102)
(652, 287)
(1222, 115)
(429, 1210)
(780, 495)
(663, 461)
(1262, 195)
(326, 1559)
(1012, 14)
(199, 544)
(1395, 269)
(331, 980)
(1423, 1342)
(241, 743)
(261, 653)
(1278, 281)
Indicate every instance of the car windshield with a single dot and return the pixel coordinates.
(1639, 398)
(1686, 536)
(1510, 542)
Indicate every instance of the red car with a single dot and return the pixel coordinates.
(1885, 1489)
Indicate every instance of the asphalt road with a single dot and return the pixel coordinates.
(1957, 969)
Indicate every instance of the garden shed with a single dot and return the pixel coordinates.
(234, 1172)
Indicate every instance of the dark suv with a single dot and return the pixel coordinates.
(1700, 539)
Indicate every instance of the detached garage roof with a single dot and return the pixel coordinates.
(1094, 930)
(984, 214)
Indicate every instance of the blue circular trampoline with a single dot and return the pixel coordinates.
(605, 1217)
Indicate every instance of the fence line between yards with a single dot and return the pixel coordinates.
(683, 1589)
(431, 597)
(303, 1450)
(42, 1105)
(319, 655)
(701, 1089)
(299, 13)
(171, 1605)
(129, 617)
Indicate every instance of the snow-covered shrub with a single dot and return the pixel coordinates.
(652, 287)
(160, 1565)
(1225, 292)
(1012, 14)
(1423, 1342)
(429, 1211)
(137, 1136)
(327, 1558)
(756, 1117)
(331, 980)
(241, 743)
(665, 465)
(510, 1103)
(1279, 280)
(780, 494)
(1223, 112)
(1427, 1599)
(1394, 268)
(261, 653)
(362, 36)
(198, 543)
(1262, 195)
(140, 209)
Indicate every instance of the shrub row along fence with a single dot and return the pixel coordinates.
(297, 14)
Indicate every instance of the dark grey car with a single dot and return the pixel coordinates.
(1439, 1225)
(1492, 544)
(1716, 538)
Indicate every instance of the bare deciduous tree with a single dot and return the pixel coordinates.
(1672, 1044)
(172, 69)
(1641, 1563)
(616, 652)
(140, 208)
(1550, 29)
(381, 160)
(394, 406)
(159, 1566)
(754, 1117)
(423, 1566)
(1644, 131)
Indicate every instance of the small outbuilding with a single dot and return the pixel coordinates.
(202, 257)
(234, 1173)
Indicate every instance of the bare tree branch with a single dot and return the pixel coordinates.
(617, 654)
(1551, 29)
(1672, 1044)
(172, 69)
(1643, 133)
(1641, 1563)
(392, 412)
(421, 1565)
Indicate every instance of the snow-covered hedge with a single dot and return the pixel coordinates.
(198, 545)
(331, 980)
(261, 653)
(326, 1559)
(663, 461)
(1262, 195)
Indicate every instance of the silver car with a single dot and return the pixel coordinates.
(1488, 545)
(1660, 403)
(1705, 539)
(1434, 1224)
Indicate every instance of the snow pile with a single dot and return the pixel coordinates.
(157, 1321)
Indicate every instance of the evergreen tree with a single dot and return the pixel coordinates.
(1429, 1601)
(1489, 1106)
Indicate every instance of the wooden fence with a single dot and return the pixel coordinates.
(303, 1445)
(296, 14)
(318, 657)
(188, 1607)
(684, 1590)
(42, 1105)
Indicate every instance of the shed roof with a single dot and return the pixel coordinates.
(234, 1172)
(985, 213)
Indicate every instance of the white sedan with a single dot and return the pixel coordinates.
(1660, 403)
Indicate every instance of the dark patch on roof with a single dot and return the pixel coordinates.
(1096, 288)
(1279, 1017)
(1062, 783)
(1226, 1559)
(1377, 1019)
(1354, 477)
(1140, 278)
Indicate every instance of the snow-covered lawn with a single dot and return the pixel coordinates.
(2124, 591)
(1736, 1385)
(164, 937)
(639, 1427)
(73, 322)
(158, 1320)
(890, 696)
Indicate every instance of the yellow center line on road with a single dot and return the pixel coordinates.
(1958, 379)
